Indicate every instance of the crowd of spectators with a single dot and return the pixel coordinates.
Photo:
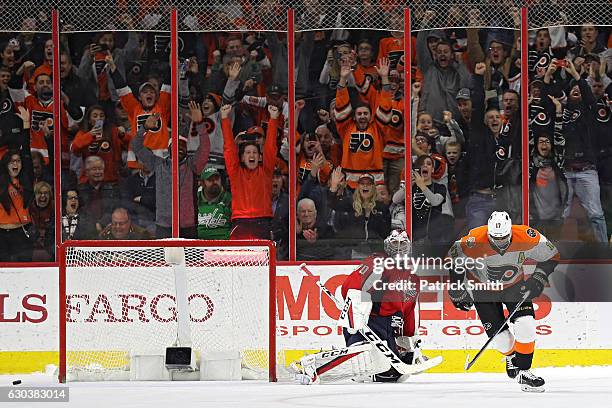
(464, 125)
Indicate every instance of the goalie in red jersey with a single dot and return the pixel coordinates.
(386, 300)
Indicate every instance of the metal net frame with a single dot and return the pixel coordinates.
(271, 15)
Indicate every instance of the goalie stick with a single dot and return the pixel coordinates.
(368, 334)
(468, 363)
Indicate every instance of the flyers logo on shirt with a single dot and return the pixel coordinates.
(39, 117)
(209, 125)
(361, 142)
(397, 118)
(394, 57)
(141, 119)
(603, 112)
(540, 117)
(6, 106)
(500, 153)
(100, 147)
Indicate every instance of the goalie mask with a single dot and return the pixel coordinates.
(499, 229)
(398, 243)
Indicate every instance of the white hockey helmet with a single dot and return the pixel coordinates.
(499, 229)
(398, 243)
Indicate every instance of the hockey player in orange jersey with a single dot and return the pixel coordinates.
(151, 101)
(362, 135)
(503, 249)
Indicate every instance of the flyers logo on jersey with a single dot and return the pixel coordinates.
(531, 232)
(6, 106)
(99, 147)
(603, 113)
(397, 118)
(361, 141)
(502, 273)
(141, 119)
(209, 125)
(540, 117)
(39, 117)
(394, 57)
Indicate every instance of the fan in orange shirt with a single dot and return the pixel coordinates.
(251, 180)
(150, 102)
(362, 137)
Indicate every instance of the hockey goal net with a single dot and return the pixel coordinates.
(123, 298)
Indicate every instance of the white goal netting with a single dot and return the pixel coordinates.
(122, 302)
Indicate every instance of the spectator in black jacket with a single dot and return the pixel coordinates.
(75, 223)
(458, 177)
(42, 232)
(72, 85)
(509, 166)
(138, 195)
(603, 133)
(547, 183)
(580, 149)
(483, 146)
(311, 229)
(466, 109)
(99, 198)
(359, 217)
(428, 225)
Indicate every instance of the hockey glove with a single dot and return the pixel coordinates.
(461, 299)
(356, 311)
(535, 284)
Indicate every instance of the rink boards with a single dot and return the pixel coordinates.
(567, 333)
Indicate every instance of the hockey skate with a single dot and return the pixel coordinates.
(511, 369)
(390, 375)
(530, 382)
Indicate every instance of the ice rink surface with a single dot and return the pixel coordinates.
(579, 387)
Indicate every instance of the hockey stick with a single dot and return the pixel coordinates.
(366, 332)
(468, 363)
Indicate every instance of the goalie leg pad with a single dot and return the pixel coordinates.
(350, 363)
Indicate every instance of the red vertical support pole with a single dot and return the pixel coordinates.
(62, 313)
(272, 376)
(174, 122)
(57, 169)
(525, 112)
(292, 119)
(407, 118)
(57, 134)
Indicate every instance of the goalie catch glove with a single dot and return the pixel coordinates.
(356, 311)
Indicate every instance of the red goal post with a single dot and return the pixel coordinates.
(117, 298)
